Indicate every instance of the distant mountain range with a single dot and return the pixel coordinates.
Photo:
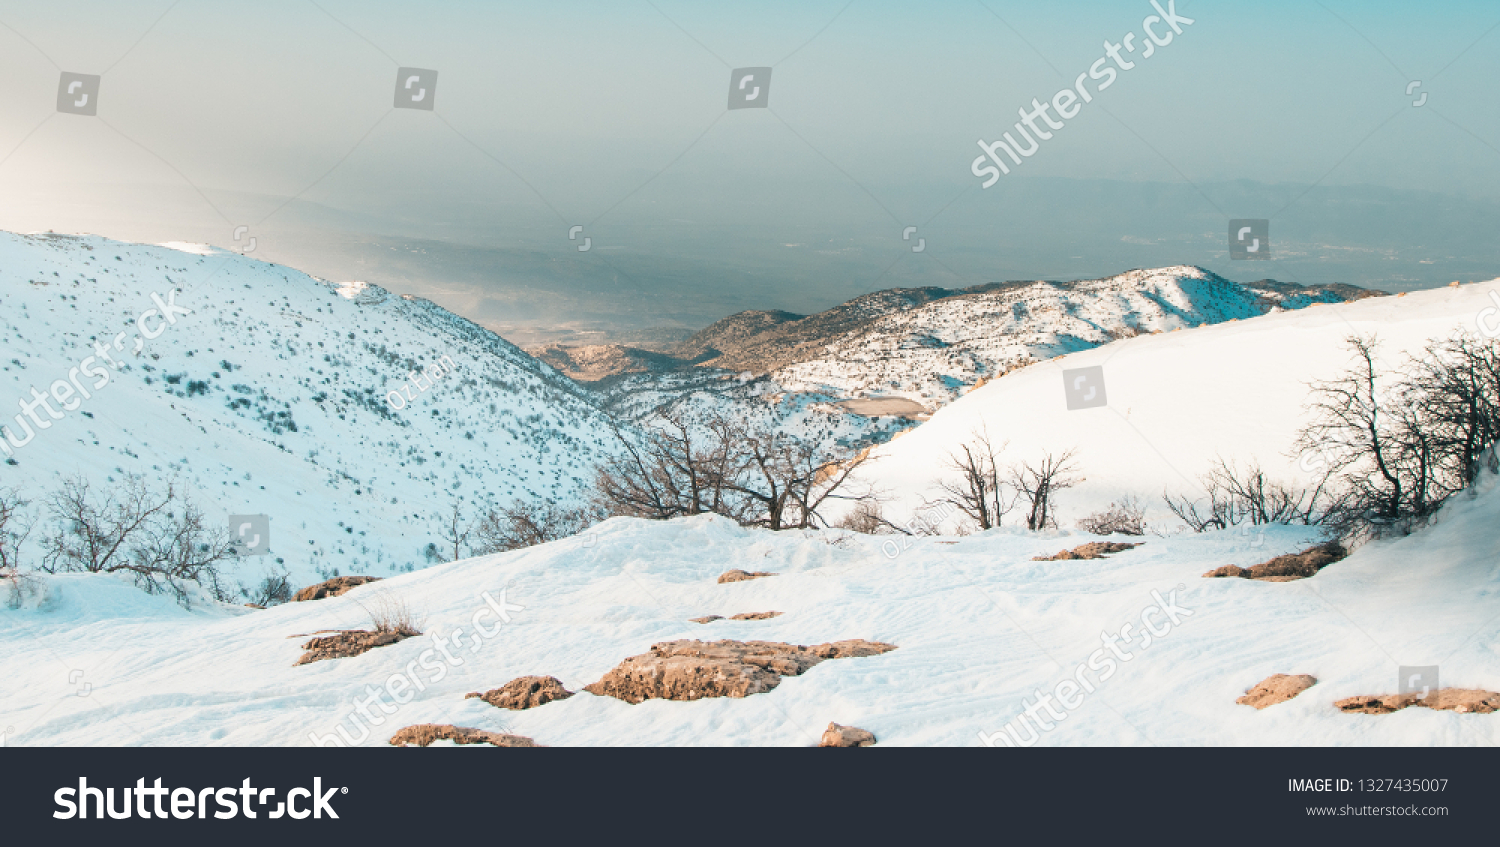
(926, 344)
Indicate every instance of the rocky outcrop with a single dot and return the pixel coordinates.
(345, 644)
(754, 616)
(332, 588)
(1228, 571)
(1462, 700)
(525, 692)
(1287, 568)
(694, 670)
(846, 736)
(424, 734)
(1276, 688)
(707, 619)
(1091, 550)
(740, 576)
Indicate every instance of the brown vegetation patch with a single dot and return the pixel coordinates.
(846, 736)
(525, 692)
(424, 734)
(1462, 700)
(1276, 688)
(740, 576)
(1091, 550)
(693, 670)
(1289, 567)
(345, 644)
(332, 588)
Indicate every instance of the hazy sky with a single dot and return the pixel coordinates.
(612, 116)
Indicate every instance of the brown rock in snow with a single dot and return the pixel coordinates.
(332, 588)
(707, 619)
(740, 576)
(1462, 700)
(424, 734)
(693, 670)
(1276, 688)
(1227, 570)
(846, 736)
(526, 692)
(754, 616)
(1091, 550)
(345, 644)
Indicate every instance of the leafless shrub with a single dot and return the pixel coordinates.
(753, 473)
(1235, 496)
(1125, 517)
(865, 518)
(158, 536)
(1399, 442)
(389, 613)
(15, 527)
(273, 590)
(1038, 485)
(980, 490)
(526, 524)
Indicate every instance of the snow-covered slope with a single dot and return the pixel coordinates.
(1175, 400)
(979, 627)
(930, 352)
(271, 397)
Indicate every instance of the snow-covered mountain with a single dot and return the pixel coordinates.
(929, 352)
(267, 391)
(1175, 401)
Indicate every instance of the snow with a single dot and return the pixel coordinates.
(979, 625)
(1176, 401)
(292, 420)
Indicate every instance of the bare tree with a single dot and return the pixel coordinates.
(788, 481)
(456, 531)
(1127, 516)
(979, 491)
(160, 537)
(674, 467)
(15, 528)
(525, 524)
(1038, 484)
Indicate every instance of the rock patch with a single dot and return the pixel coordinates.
(694, 670)
(1276, 688)
(1289, 567)
(1462, 700)
(525, 692)
(1091, 550)
(742, 616)
(332, 588)
(345, 644)
(738, 575)
(846, 736)
(424, 734)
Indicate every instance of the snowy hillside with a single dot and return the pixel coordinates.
(1175, 400)
(929, 353)
(978, 626)
(270, 392)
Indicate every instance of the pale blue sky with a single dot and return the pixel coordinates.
(611, 115)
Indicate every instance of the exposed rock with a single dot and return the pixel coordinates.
(525, 692)
(1287, 568)
(1463, 700)
(1299, 565)
(707, 619)
(693, 670)
(754, 616)
(846, 736)
(424, 734)
(1276, 688)
(254, 606)
(332, 588)
(1227, 570)
(740, 576)
(1091, 550)
(346, 644)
